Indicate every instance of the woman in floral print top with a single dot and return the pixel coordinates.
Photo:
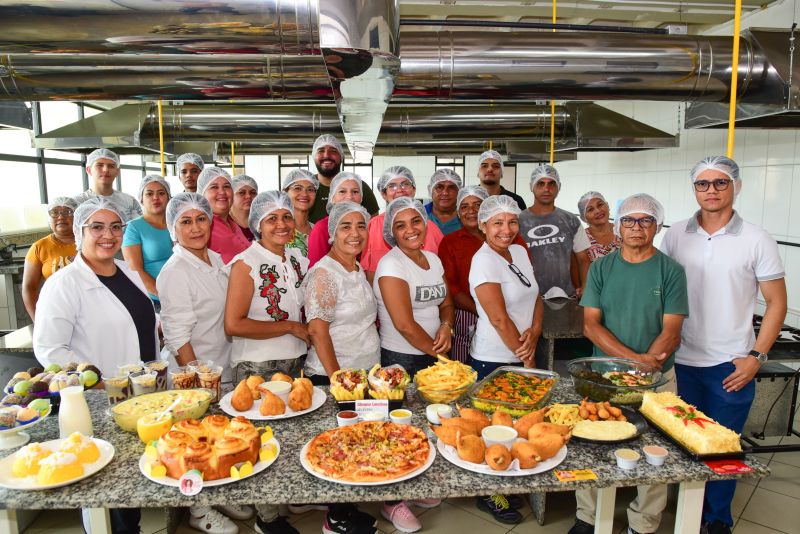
(593, 210)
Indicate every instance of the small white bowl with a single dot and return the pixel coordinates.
(655, 455)
(504, 435)
(279, 388)
(373, 416)
(627, 458)
(400, 416)
(432, 412)
(342, 418)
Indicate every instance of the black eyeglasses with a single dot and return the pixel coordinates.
(721, 184)
(522, 277)
(644, 223)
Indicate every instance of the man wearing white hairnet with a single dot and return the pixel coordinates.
(443, 189)
(189, 166)
(553, 237)
(328, 156)
(727, 262)
(102, 165)
(634, 304)
(490, 172)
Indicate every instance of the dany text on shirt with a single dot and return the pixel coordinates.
(544, 235)
(429, 293)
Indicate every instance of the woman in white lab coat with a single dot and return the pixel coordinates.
(96, 309)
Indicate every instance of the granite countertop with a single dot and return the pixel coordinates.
(120, 484)
(563, 318)
(20, 340)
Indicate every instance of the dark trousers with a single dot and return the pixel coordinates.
(410, 362)
(702, 386)
(484, 368)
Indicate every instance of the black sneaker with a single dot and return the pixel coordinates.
(581, 527)
(279, 525)
(498, 506)
(516, 501)
(717, 527)
(355, 522)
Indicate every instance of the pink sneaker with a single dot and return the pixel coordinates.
(425, 503)
(401, 517)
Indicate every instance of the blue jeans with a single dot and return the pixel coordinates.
(702, 386)
(484, 368)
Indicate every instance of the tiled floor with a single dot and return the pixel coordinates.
(766, 506)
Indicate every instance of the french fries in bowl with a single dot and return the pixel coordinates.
(445, 381)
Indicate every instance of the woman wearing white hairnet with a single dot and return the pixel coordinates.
(147, 245)
(227, 239)
(245, 190)
(593, 210)
(395, 182)
(263, 307)
(301, 186)
(344, 186)
(50, 253)
(192, 284)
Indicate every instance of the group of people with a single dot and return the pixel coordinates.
(312, 278)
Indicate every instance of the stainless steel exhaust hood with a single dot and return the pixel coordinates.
(777, 102)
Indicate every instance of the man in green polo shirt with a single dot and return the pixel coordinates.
(634, 303)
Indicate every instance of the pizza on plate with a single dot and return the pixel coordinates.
(368, 452)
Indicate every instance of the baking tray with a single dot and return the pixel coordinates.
(689, 452)
(514, 408)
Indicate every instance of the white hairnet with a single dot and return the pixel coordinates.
(88, 208)
(189, 157)
(396, 206)
(208, 175)
(264, 204)
(444, 175)
(339, 210)
(102, 153)
(180, 204)
(718, 163)
(640, 203)
(584, 200)
(337, 180)
(491, 154)
(327, 140)
(545, 171)
(67, 202)
(398, 171)
(149, 179)
(297, 175)
(495, 205)
(241, 180)
(471, 191)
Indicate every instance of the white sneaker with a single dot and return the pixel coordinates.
(213, 522)
(240, 513)
(303, 508)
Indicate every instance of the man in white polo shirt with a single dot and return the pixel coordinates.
(727, 260)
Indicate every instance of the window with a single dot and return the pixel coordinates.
(21, 180)
(17, 142)
(451, 162)
(57, 114)
(363, 170)
(63, 180)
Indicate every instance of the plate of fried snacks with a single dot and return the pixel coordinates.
(279, 398)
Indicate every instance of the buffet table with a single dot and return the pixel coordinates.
(121, 485)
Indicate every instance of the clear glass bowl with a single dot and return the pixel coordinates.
(588, 380)
(516, 409)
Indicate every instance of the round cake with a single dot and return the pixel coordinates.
(212, 446)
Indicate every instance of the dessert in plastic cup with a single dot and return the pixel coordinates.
(160, 367)
(209, 376)
(130, 368)
(117, 388)
(143, 382)
(183, 378)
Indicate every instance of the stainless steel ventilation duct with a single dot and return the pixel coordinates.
(579, 125)
(357, 41)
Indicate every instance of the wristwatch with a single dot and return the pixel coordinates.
(449, 327)
(760, 356)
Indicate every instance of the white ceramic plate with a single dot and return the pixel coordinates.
(317, 400)
(422, 469)
(30, 483)
(174, 483)
(451, 455)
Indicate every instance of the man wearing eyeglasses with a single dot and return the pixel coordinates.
(102, 165)
(634, 304)
(328, 155)
(727, 261)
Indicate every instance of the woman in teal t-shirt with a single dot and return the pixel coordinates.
(147, 245)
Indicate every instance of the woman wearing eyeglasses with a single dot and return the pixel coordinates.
(505, 291)
(50, 253)
(96, 309)
(593, 210)
(395, 182)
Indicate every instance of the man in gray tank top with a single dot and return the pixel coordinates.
(553, 236)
